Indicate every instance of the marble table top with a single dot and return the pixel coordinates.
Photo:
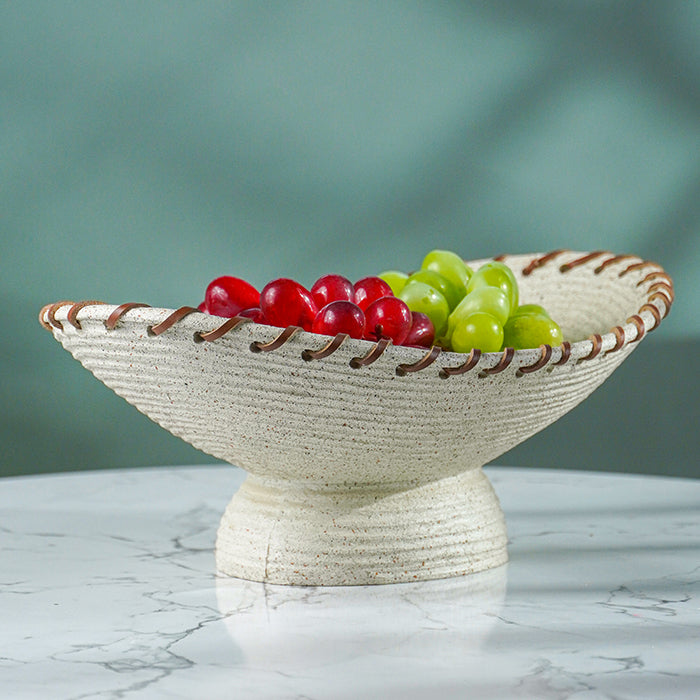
(108, 590)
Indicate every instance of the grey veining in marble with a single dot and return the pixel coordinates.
(108, 590)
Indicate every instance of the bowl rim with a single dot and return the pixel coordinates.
(659, 297)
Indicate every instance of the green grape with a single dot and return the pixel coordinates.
(496, 274)
(442, 284)
(450, 266)
(531, 331)
(529, 310)
(478, 330)
(395, 279)
(490, 300)
(421, 297)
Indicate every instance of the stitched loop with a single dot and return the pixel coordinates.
(171, 320)
(611, 261)
(210, 336)
(582, 260)
(664, 288)
(565, 354)
(424, 362)
(545, 355)
(328, 349)
(539, 262)
(637, 266)
(372, 356)
(654, 311)
(597, 342)
(278, 342)
(50, 311)
(506, 359)
(664, 298)
(619, 333)
(73, 312)
(471, 362)
(638, 322)
(111, 322)
(656, 274)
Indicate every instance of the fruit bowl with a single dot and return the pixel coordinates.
(364, 458)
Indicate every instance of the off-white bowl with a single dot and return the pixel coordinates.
(364, 458)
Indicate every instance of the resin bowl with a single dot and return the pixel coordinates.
(364, 459)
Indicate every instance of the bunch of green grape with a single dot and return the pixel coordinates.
(473, 308)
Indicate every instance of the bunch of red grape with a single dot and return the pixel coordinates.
(367, 309)
(445, 302)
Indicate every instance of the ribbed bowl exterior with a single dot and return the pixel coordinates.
(277, 415)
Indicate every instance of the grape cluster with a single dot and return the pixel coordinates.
(445, 302)
(473, 309)
(366, 309)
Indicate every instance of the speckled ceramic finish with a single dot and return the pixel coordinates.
(357, 474)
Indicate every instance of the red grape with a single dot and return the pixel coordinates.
(369, 289)
(340, 317)
(422, 332)
(285, 302)
(253, 314)
(226, 296)
(388, 317)
(202, 307)
(332, 288)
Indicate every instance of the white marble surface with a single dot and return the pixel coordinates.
(108, 590)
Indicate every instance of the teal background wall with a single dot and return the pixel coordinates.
(146, 148)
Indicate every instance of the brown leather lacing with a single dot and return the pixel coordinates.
(619, 333)
(653, 309)
(171, 320)
(581, 261)
(471, 362)
(664, 298)
(638, 321)
(539, 262)
(372, 356)
(663, 287)
(611, 261)
(503, 363)
(545, 355)
(50, 312)
(223, 329)
(565, 354)
(659, 289)
(637, 266)
(73, 312)
(328, 349)
(597, 345)
(116, 315)
(276, 343)
(656, 274)
(424, 362)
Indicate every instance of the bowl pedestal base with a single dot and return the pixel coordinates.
(299, 534)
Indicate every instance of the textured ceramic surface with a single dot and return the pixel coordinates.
(365, 463)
